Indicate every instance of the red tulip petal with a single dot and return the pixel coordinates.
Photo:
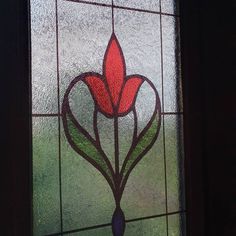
(100, 94)
(114, 68)
(129, 94)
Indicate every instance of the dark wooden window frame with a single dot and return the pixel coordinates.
(194, 120)
(16, 130)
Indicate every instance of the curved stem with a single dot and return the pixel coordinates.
(135, 124)
(117, 162)
(113, 25)
(116, 137)
(95, 126)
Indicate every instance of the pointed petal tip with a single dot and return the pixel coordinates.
(129, 94)
(114, 68)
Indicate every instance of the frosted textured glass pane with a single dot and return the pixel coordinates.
(170, 6)
(43, 45)
(152, 5)
(106, 134)
(174, 161)
(176, 225)
(126, 130)
(171, 65)
(82, 106)
(150, 227)
(46, 202)
(144, 194)
(139, 37)
(144, 113)
(106, 231)
(86, 197)
(84, 31)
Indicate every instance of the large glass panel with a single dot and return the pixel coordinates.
(107, 118)
(145, 191)
(83, 34)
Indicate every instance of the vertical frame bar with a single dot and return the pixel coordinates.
(163, 123)
(194, 115)
(59, 112)
(15, 118)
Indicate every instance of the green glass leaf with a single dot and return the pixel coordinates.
(145, 142)
(87, 148)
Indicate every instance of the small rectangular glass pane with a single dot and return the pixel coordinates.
(171, 64)
(103, 231)
(174, 162)
(150, 227)
(43, 49)
(46, 200)
(151, 5)
(176, 225)
(170, 6)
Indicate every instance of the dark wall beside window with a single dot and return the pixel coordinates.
(15, 119)
(219, 77)
(211, 102)
(209, 70)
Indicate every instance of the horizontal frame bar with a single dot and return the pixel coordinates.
(109, 224)
(122, 7)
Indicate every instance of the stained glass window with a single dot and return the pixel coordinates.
(107, 118)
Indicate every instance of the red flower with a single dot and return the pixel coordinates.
(114, 93)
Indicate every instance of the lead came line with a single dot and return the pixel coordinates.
(109, 224)
(46, 115)
(116, 138)
(122, 7)
(112, 11)
(58, 115)
(163, 122)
